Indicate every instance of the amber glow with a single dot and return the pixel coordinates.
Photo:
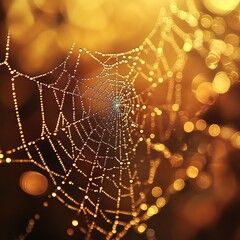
(156, 192)
(121, 104)
(141, 228)
(204, 180)
(192, 172)
(188, 127)
(33, 183)
(178, 184)
(96, 25)
(70, 232)
(161, 202)
(144, 206)
(214, 130)
(221, 82)
(205, 93)
(176, 160)
(201, 125)
(235, 139)
(221, 6)
(152, 211)
(74, 223)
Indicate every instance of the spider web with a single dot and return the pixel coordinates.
(102, 138)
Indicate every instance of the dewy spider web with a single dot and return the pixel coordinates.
(96, 130)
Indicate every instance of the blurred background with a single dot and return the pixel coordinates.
(42, 33)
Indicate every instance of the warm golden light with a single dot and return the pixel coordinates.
(175, 107)
(212, 60)
(214, 130)
(159, 147)
(54, 194)
(201, 125)
(142, 228)
(188, 127)
(232, 39)
(156, 192)
(221, 82)
(96, 25)
(178, 184)
(70, 232)
(161, 202)
(33, 183)
(124, 118)
(152, 211)
(205, 93)
(235, 139)
(176, 160)
(143, 206)
(187, 46)
(206, 21)
(74, 223)
(204, 180)
(192, 172)
(222, 7)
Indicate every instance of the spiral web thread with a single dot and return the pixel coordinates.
(99, 124)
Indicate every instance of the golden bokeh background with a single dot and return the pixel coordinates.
(45, 30)
(42, 33)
